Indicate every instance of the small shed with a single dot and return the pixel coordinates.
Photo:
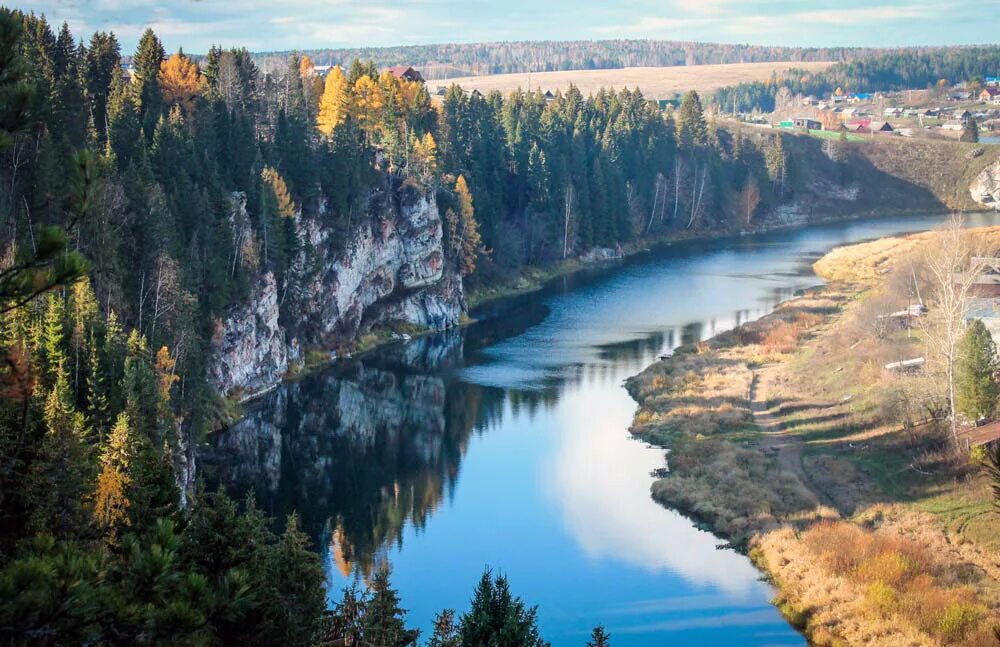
(906, 366)
(806, 122)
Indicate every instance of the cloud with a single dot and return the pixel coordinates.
(301, 24)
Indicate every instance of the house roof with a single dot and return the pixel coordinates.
(405, 71)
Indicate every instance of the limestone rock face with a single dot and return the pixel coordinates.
(985, 190)
(250, 352)
(392, 268)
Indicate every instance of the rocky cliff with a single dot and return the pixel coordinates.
(391, 268)
(985, 189)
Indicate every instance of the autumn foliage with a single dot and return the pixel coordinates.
(181, 82)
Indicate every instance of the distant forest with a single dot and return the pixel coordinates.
(454, 59)
(898, 69)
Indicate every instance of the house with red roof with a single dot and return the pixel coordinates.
(406, 73)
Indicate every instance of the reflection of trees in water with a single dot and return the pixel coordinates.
(371, 445)
(364, 447)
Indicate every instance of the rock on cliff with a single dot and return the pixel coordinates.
(392, 268)
(985, 189)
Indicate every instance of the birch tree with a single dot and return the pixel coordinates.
(952, 266)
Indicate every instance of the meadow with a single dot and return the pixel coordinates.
(655, 82)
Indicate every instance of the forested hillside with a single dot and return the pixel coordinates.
(898, 69)
(458, 59)
(165, 225)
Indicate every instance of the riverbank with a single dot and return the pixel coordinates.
(786, 437)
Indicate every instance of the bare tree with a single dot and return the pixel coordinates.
(952, 266)
(749, 197)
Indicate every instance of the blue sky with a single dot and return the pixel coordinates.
(305, 24)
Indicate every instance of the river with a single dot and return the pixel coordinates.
(505, 444)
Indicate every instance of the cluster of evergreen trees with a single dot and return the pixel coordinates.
(450, 59)
(898, 69)
(122, 253)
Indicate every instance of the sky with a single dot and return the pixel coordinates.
(281, 25)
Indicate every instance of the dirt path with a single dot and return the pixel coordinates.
(784, 446)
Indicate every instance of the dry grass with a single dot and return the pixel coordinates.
(655, 82)
(849, 586)
(913, 559)
(867, 262)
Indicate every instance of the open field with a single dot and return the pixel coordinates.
(655, 82)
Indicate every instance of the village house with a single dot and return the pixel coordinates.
(954, 124)
(808, 123)
(407, 73)
(321, 70)
(989, 93)
(993, 80)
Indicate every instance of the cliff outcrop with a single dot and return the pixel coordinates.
(390, 268)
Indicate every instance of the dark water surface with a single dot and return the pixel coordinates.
(506, 444)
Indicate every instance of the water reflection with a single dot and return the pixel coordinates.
(359, 451)
(505, 444)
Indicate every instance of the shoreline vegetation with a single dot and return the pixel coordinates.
(787, 437)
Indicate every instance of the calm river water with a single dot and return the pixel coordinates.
(506, 445)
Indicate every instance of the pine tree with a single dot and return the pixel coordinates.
(385, 621)
(976, 389)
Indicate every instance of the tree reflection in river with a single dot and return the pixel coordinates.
(529, 404)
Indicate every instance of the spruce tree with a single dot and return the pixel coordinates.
(971, 132)
(498, 618)
(599, 637)
(976, 389)
(385, 621)
(446, 630)
(692, 130)
(147, 60)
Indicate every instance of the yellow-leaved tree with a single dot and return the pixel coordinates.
(335, 102)
(181, 82)
(463, 230)
(306, 66)
(112, 503)
(368, 103)
(284, 204)
(423, 156)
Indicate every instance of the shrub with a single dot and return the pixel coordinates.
(882, 598)
(957, 620)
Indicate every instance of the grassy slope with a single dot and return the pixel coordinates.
(908, 552)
